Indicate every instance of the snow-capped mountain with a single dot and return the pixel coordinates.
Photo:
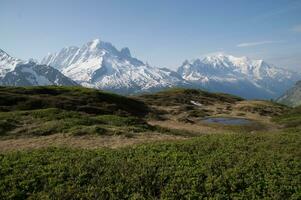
(238, 75)
(15, 72)
(7, 63)
(100, 65)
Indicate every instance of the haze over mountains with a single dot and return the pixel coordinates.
(293, 96)
(100, 65)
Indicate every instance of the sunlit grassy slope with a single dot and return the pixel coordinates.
(48, 110)
(234, 164)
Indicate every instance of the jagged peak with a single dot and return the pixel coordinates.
(125, 52)
(8, 57)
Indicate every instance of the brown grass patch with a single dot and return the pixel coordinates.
(84, 142)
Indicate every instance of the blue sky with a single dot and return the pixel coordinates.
(161, 32)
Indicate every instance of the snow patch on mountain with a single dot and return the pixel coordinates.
(7, 63)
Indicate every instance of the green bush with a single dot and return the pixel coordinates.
(233, 166)
(7, 125)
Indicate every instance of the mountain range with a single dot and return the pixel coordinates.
(15, 72)
(100, 65)
(238, 75)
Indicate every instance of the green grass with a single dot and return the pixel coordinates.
(79, 99)
(181, 99)
(46, 110)
(267, 109)
(244, 165)
(233, 166)
(291, 119)
(179, 96)
(52, 120)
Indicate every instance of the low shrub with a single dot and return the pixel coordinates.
(233, 166)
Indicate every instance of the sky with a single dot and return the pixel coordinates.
(162, 33)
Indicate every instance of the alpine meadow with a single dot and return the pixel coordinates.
(190, 99)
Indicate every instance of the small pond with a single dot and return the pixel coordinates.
(227, 121)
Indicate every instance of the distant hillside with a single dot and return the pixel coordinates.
(293, 96)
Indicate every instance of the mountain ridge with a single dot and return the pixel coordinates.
(98, 64)
(218, 71)
(16, 72)
(292, 97)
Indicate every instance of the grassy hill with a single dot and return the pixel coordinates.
(47, 110)
(190, 105)
(38, 111)
(80, 99)
(180, 96)
(52, 139)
